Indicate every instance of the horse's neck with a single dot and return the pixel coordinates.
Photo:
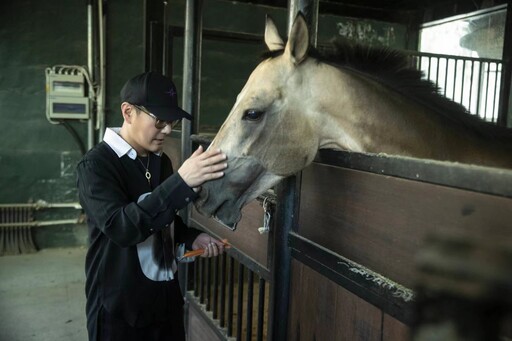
(362, 115)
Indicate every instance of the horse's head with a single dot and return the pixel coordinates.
(267, 135)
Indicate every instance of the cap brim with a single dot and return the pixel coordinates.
(169, 113)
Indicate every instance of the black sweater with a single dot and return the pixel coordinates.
(109, 188)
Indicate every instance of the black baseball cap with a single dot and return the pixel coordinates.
(156, 93)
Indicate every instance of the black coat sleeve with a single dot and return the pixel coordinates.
(106, 200)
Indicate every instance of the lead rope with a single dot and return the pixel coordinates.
(267, 215)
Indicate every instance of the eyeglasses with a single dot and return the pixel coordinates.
(159, 124)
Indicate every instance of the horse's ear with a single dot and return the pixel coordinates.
(273, 40)
(298, 42)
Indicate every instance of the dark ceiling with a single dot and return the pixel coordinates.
(411, 12)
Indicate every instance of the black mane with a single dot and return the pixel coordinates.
(393, 69)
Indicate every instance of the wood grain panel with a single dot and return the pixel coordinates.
(394, 330)
(198, 329)
(322, 310)
(381, 221)
(246, 237)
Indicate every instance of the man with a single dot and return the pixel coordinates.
(130, 195)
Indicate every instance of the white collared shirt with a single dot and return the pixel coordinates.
(119, 145)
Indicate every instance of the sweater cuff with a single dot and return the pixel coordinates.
(172, 194)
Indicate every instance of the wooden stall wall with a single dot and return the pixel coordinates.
(354, 269)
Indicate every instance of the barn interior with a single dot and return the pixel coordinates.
(209, 49)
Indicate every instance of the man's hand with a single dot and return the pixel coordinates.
(203, 166)
(212, 247)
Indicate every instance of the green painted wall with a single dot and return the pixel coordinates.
(38, 159)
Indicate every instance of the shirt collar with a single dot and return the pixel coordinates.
(119, 145)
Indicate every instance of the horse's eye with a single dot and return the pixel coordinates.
(252, 115)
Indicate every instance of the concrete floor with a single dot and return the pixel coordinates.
(42, 296)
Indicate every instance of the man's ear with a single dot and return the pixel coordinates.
(127, 111)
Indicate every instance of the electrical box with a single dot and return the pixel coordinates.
(66, 96)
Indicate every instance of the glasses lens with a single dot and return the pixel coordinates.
(175, 124)
(160, 124)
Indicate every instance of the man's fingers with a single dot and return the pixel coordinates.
(198, 151)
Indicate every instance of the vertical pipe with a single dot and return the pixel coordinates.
(462, 83)
(196, 279)
(90, 66)
(231, 280)
(102, 21)
(287, 209)
(309, 9)
(495, 115)
(250, 294)
(471, 84)
(478, 89)
(240, 301)
(486, 87)
(208, 284)
(191, 77)
(506, 72)
(223, 290)
(201, 280)
(437, 71)
(165, 37)
(215, 287)
(261, 309)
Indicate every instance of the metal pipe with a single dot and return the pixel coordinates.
(240, 301)
(504, 113)
(309, 9)
(165, 45)
(42, 223)
(41, 204)
(90, 39)
(102, 19)
(191, 77)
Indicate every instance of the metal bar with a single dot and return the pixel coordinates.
(478, 90)
(208, 284)
(201, 280)
(218, 35)
(215, 302)
(41, 223)
(429, 66)
(261, 309)
(495, 115)
(90, 67)
(191, 77)
(223, 291)
(437, 72)
(286, 219)
(238, 255)
(102, 24)
(240, 301)
(392, 298)
(231, 280)
(446, 77)
(449, 56)
(462, 83)
(250, 294)
(473, 178)
(486, 90)
(196, 278)
(471, 85)
(455, 77)
(40, 204)
(506, 71)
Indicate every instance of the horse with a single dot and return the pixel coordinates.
(354, 98)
